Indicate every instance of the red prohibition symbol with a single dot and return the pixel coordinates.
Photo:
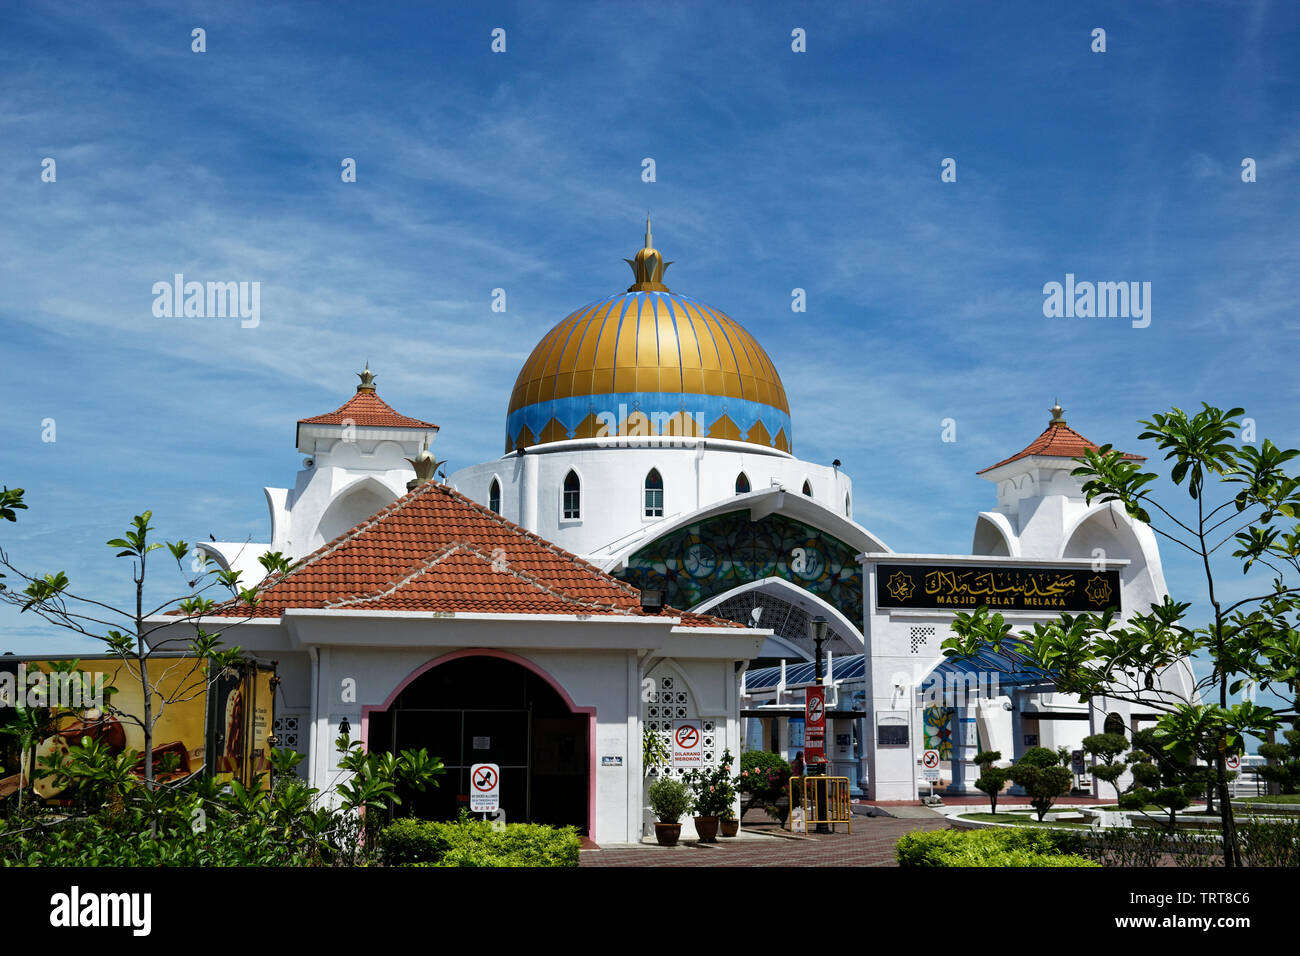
(687, 737)
(815, 709)
(931, 759)
(485, 779)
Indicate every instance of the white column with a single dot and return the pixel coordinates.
(965, 742)
(635, 776)
(528, 493)
(1017, 736)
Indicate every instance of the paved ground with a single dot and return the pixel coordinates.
(870, 844)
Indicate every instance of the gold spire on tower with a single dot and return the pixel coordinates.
(1057, 411)
(367, 379)
(648, 266)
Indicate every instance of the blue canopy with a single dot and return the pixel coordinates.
(1011, 667)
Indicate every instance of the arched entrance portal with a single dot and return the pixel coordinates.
(484, 708)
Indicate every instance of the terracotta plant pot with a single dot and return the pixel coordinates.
(729, 827)
(707, 828)
(667, 833)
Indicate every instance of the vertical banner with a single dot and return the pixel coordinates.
(815, 724)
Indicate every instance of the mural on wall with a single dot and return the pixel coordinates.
(938, 730)
(709, 557)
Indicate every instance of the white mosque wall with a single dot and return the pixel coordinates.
(613, 485)
(335, 665)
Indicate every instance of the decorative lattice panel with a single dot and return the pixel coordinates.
(667, 700)
(920, 636)
(291, 731)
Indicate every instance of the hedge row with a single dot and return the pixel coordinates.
(470, 842)
(992, 847)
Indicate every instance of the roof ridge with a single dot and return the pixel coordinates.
(538, 539)
(367, 398)
(1045, 439)
(489, 559)
(428, 487)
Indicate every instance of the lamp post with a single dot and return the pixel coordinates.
(817, 627)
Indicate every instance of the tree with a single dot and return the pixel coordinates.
(1107, 747)
(1040, 773)
(991, 779)
(1161, 779)
(129, 633)
(1284, 762)
(1254, 639)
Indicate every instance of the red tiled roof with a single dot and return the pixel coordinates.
(367, 410)
(1057, 441)
(436, 550)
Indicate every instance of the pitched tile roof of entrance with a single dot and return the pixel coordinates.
(365, 409)
(1058, 440)
(436, 550)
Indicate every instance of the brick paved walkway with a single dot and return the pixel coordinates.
(870, 844)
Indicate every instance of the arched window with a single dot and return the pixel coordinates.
(848, 507)
(1114, 724)
(807, 489)
(654, 494)
(742, 484)
(494, 496)
(572, 496)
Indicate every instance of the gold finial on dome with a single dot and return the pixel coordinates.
(1057, 411)
(648, 266)
(367, 379)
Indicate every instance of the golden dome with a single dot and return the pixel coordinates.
(648, 362)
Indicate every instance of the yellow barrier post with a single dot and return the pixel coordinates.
(835, 798)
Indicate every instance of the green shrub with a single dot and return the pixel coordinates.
(470, 842)
(1270, 842)
(763, 773)
(669, 799)
(991, 847)
(991, 781)
(1040, 773)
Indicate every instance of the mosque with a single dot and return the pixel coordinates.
(649, 549)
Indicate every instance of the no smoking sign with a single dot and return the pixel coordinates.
(930, 764)
(688, 744)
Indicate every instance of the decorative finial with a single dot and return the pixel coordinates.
(648, 266)
(425, 465)
(367, 379)
(1057, 412)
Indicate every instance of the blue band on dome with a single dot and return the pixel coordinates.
(659, 406)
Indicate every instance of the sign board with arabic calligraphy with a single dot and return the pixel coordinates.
(1001, 588)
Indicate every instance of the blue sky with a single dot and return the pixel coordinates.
(522, 171)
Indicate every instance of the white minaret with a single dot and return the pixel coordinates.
(357, 462)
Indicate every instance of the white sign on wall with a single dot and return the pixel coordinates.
(688, 744)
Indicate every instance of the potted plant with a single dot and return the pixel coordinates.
(729, 826)
(713, 796)
(668, 801)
